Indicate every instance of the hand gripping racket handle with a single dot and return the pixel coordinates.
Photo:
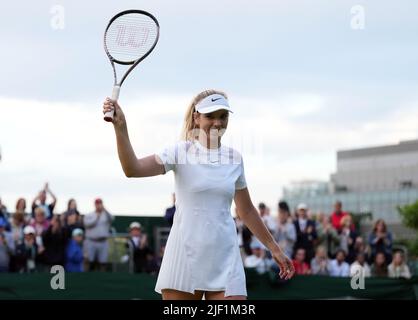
(115, 95)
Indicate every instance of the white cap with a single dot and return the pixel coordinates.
(302, 206)
(213, 103)
(77, 232)
(29, 230)
(135, 225)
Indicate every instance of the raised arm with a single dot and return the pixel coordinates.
(249, 215)
(54, 198)
(131, 165)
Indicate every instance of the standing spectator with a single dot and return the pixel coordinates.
(137, 244)
(74, 252)
(21, 208)
(337, 215)
(301, 267)
(40, 224)
(169, 212)
(40, 201)
(17, 226)
(340, 268)
(398, 268)
(71, 209)
(380, 240)
(379, 267)
(71, 222)
(97, 226)
(268, 220)
(327, 236)
(5, 215)
(306, 232)
(320, 265)
(6, 246)
(285, 233)
(348, 238)
(27, 252)
(360, 266)
(258, 258)
(54, 241)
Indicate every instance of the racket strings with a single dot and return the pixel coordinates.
(130, 37)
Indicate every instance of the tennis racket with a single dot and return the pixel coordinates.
(129, 38)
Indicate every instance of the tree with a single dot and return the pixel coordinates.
(409, 215)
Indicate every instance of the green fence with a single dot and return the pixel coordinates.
(141, 286)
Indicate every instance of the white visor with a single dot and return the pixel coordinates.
(213, 103)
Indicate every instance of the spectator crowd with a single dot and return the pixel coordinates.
(318, 244)
(36, 239)
(321, 244)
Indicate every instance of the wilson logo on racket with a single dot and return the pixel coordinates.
(132, 36)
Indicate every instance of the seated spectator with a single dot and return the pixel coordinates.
(327, 236)
(27, 252)
(154, 262)
(360, 266)
(380, 240)
(379, 267)
(299, 262)
(239, 225)
(137, 244)
(54, 241)
(74, 252)
(348, 237)
(398, 268)
(340, 268)
(258, 259)
(305, 232)
(320, 265)
(285, 232)
(6, 246)
(361, 247)
(169, 212)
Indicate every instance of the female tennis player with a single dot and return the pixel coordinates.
(202, 256)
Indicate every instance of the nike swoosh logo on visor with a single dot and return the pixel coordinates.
(213, 100)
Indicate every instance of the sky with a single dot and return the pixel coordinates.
(305, 78)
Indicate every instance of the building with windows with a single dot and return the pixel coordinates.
(376, 180)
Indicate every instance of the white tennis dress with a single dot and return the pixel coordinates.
(202, 251)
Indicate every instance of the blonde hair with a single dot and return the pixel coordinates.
(189, 124)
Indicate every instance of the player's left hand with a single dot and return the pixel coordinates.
(287, 270)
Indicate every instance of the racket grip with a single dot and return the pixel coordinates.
(115, 95)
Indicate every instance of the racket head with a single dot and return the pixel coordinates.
(130, 36)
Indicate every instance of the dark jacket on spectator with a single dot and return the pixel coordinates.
(54, 244)
(23, 254)
(306, 240)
